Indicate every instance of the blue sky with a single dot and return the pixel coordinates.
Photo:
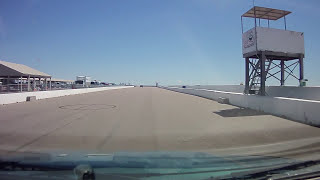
(144, 41)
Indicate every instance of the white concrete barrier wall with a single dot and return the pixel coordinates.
(300, 110)
(310, 93)
(21, 97)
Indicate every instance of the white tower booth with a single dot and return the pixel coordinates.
(270, 52)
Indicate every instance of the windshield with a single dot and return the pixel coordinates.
(177, 89)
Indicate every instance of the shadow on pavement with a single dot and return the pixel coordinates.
(238, 112)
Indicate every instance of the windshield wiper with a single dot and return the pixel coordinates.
(18, 166)
(83, 171)
(269, 172)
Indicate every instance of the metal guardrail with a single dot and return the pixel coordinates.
(13, 88)
(16, 88)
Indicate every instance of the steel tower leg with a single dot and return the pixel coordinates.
(301, 68)
(246, 90)
(282, 72)
(263, 74)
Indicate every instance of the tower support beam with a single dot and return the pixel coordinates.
(247, 63)
(263, 74)
(282, 72)
(301, 68)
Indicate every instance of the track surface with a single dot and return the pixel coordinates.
(140, 119)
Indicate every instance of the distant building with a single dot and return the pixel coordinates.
(18, 77)
(61, 83)
(83, 81)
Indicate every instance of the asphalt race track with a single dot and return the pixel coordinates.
(142, 119)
